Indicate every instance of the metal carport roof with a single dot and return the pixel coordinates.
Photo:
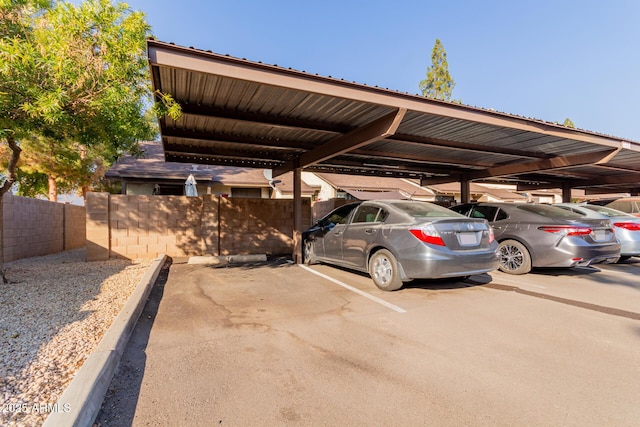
(243, 113)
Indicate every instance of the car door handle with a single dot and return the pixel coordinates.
(369, 231)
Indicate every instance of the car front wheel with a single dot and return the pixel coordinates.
(309, 252)
(383, 269)
(514, 257)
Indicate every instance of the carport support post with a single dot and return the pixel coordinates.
(465, 190)
(566, 192)
(297, 216)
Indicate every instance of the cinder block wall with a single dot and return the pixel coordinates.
(75, 227)
(35, 227)
(254, 226)
(145, 226)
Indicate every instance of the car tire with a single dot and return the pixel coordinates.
(514, 257)
(623, 258)
(383, 269)
(309, 252)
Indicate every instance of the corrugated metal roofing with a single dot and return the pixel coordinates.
(242, 113)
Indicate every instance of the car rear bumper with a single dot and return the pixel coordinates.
(436, 265)
(569, 255)
(630, 246)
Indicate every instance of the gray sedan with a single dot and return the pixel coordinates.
(531, 235)
(627, 226)
(396, 241)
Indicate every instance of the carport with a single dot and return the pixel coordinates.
(243, 113)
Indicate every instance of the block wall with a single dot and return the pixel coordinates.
(33, 227)
(75, 227)
(144, 226)
(258, 226)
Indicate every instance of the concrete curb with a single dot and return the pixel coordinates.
(229, 259)
(81, 401)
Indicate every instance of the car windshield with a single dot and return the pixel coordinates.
(425, 210)
(550, 211)
(607, 211)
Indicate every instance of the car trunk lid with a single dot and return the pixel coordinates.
(454, 233)
(601, 229)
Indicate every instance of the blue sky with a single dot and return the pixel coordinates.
(541, 59)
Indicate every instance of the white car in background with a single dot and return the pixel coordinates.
(626, 226)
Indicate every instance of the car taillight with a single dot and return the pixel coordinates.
(428, 234)
(631, 226)
(492, 236)
(567, 230)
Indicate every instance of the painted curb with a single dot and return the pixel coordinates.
(84, 396)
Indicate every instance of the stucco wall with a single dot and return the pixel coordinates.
(145, 226)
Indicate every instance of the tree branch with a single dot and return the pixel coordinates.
(12, 174)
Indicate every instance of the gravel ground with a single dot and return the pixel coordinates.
(52, 316)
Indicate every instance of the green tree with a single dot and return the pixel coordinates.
(73, 83)
(438, 83)
(568, 123)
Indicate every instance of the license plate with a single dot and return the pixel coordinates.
(468, 239)
(600, 234)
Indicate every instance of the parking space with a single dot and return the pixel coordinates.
(608, 286)
(280, 343)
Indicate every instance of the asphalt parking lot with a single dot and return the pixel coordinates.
(277, 343)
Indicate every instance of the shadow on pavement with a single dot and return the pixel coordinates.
(430, 284)
(449, 284)
(119, 405)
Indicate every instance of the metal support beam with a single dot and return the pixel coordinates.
(465, 190)
(440, 180)
(378, 129)
(538, 186)
(558, 162)
(566, 192)
(297, 216)
(263, 119)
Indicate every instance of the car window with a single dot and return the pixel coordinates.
(628, 206)
(550, 211)
(366, 214)
(580, 211)
(603, 210)
(339, 216)
(484, 212)
(461, 209)
(425, 210)
(566, 208)
(501, 215)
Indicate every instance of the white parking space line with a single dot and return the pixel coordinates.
(357, 291)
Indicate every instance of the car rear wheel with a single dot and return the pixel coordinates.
(309, 252)
(514, 257)
(383, 269)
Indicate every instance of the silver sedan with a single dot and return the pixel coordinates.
(627, 226)
(396, 241)
(531, 235)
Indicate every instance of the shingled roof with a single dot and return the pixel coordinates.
(353, 183)
(151, 165)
